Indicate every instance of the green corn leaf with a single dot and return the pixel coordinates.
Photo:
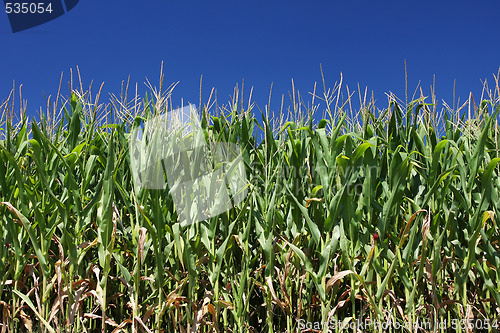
(33, 237)
(33, 308)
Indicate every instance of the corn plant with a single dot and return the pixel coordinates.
(387, 215)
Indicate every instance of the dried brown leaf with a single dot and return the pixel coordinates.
(142, 241)
(27, 322)
(336, 278)
(280, 303)
(122, 325)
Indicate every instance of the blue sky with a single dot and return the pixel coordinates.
(262, 42)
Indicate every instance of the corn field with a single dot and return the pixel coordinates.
(384, 215)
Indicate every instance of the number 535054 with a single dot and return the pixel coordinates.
(27, 8)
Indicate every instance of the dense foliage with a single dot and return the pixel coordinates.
(353, 217)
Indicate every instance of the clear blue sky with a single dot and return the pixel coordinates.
(260, 42)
